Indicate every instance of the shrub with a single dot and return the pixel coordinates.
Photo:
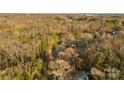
(25, 71)
(77, 34)
(19, 29)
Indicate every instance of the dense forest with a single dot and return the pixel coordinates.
(61, 47)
